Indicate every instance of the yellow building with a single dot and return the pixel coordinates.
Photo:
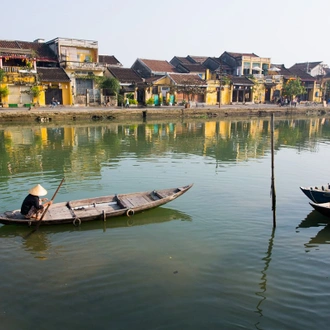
(80, 60)
(31, 74)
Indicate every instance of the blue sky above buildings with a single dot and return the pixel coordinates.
(288, 31)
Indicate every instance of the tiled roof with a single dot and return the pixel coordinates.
(158, 65)
(53, 74)
(17, 48)
(125, 75)
(282, 70)
(239, 55)
(187, 79)
(182, 60)
(224, 66)
(241, 81)
(198, 59)
(194, 67)
(305, 66)
(152, 79)
(301, 74)
(109, 59)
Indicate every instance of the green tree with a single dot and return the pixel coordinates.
(2, 74)
(4, 91)
(111, 86)
(293, 87)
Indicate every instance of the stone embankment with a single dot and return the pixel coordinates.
(77, 113)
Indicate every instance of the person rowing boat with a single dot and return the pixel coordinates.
(32, 206)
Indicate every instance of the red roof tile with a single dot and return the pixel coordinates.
(158, 65)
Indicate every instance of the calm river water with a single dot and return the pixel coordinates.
(208, 260)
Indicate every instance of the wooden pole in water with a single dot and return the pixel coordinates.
(273, 192)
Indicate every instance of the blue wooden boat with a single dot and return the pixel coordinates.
(317, 194)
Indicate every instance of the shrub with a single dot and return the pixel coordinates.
(35, 91)
(4, 91)
(150, 101)
(133, 101)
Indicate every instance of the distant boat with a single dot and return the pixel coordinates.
(317, 194)
(323, 208)
(90, 209)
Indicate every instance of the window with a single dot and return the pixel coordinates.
(246, 68)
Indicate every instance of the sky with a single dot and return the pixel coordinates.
(287, 31)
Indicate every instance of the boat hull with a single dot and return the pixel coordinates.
(317, 195)
(323, 208)
(83, 210)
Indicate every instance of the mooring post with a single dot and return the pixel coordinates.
(273, 192)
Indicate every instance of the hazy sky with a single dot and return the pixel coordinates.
(287, 31)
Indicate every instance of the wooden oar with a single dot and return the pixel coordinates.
(43, 214)
(50, 202)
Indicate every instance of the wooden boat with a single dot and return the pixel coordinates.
(40, 241)
(316, 194)
(90, 209)
(323, 208)
(155, 216)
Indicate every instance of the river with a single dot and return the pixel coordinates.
(209, 260)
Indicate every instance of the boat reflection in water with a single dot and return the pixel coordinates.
(322, 237)
(40, 240)
(316, 219)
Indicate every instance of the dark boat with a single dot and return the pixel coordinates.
(317, 194)
(104, 207)
(323, 208)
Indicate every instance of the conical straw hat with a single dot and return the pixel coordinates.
(38, 190)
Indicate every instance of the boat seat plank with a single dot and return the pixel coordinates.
(126, 202)
(137, 200)
(121, 202)
(58, 213)
(160, 195)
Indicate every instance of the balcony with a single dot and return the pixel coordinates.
(258, 76)
(87, 66)
(9, 70)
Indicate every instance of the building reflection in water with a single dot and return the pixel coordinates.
(224, 140)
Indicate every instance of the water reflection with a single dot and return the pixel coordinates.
(26, 149)
(38, 242)
(263, 282)
(316, 219)
(322, 237)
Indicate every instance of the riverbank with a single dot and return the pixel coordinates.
(79, 113)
